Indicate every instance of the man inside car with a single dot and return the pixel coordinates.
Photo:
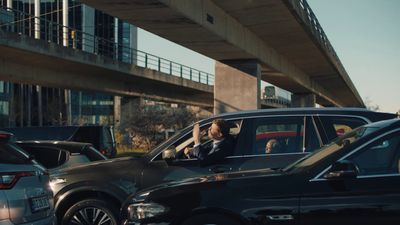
(222, 145)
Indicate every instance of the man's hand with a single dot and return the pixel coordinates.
(196, 133)
(188, 151)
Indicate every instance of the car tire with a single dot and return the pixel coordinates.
(91, 211)
(211, 218)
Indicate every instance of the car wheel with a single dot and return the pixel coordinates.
(91, 212)
(208, 219)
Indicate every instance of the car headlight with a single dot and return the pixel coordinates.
(140, 211)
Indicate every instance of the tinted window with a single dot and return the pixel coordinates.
(10, 154)
(313, 140)
(331, 148)
(278, 135)
(187, 140)
(107, 138)
(381, 157)
(88, 135)
(93, 154)
(47, 156)
(334, 126)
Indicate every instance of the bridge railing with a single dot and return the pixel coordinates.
(12, 20)
(308, 17)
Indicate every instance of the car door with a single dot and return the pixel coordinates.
(160, 170)
(372, 197)
(287, 132)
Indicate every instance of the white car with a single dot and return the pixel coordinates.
(25, 194)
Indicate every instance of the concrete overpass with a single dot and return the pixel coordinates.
(24, 59)
(281, 38)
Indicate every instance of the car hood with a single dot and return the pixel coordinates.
(110, 166)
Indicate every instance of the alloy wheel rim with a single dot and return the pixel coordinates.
(91, 216)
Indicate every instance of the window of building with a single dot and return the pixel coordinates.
(4, 108)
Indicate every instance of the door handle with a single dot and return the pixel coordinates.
(220, 169)
(280, 217)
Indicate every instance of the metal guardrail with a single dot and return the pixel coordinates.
(308, 17)
(12, 20)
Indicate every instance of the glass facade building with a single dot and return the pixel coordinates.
(5, 99)
(89, 30)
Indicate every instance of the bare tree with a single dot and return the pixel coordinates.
(370, 105)
(145, 124)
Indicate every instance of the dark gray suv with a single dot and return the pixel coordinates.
(99, 188)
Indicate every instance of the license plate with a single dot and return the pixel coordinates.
(39, 204)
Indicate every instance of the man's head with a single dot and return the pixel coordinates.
(218, 129)
(271, 145)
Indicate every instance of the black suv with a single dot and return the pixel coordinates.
(101, 187)
(353, 180)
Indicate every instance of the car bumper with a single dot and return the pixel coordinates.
(51, 220)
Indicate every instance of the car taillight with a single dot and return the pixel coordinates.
(8, 180)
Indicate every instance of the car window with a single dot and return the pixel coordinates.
(334, 126)
(93, 154)
(10, 154)
(88, 134)
(313, 139)
(331, 148)
(107, 136)
(381, 157)
(187, 141)
(49, 157)
(278, 135)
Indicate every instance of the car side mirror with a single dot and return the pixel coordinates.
(169, 154)
(342, 170)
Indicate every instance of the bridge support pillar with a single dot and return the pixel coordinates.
(117, 111)
(303, 100)
(237, 86)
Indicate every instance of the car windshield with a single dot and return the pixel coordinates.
(331, 148)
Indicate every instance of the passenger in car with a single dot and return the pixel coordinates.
(222, 146)
(272, 146)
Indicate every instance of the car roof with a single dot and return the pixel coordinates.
(384, 123)
(312, 110)
(71, 146)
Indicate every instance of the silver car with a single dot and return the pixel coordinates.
(25, 194)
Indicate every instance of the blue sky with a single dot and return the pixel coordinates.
(366, 36)
(364, 33)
